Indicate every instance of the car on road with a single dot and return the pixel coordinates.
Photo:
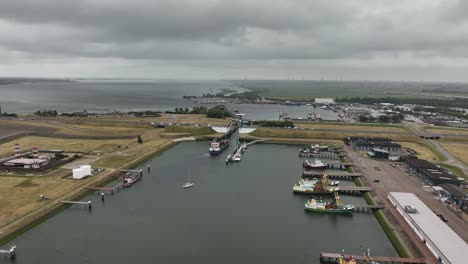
(376, 180)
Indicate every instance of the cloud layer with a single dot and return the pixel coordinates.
(229, 39)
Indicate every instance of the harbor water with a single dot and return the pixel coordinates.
(238, 213)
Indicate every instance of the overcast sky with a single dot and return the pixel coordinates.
(214, 39)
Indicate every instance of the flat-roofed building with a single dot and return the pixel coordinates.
(26, 163)
(324, 101)
(431, 173)
(439, 238)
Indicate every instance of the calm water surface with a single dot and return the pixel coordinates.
(106, 96)
(242, 213)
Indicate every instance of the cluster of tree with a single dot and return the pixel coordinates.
(46, 113)
(146, 113)
(8, 114)
(76, 114)
(273, 123)
(457, 102)
(443, 110)
(219, 111)
(381, 119)
(195, 110)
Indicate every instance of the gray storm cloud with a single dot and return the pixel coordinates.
(308, 36)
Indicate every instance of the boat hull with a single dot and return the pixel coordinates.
(330, 211)
(221, 149)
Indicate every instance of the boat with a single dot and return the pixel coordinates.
(367, 258)
(130, 179)
(305, 186)
(217, 146)
(318, 186)
(316, 165)
(188, 184)
(335, 206)
(346, 260)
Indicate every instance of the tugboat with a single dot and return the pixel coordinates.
(217, 146)
(130, 179)
(316, 165)
(335, 206)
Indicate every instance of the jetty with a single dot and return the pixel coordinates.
(237, 154)
(326, 155)
(111, 189)
(78, 203)
(344, 190)
(368, 208)
(331, 174)
(326, 257)
(11, 252)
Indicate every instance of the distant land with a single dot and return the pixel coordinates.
(5, 81)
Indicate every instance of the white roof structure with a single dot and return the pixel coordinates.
(443, 242)
(24, 161)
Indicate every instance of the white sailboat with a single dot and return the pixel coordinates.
(189, 183)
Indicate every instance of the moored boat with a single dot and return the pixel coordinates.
(313, 185)
(217, 146)
(316, 165)
(130, 179)
(334, 206)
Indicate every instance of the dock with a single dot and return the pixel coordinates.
(368, 208)
(333, 258)
(331, 174)
(344, 190)
(11, 252)
(237, 154)
(111, 189)
(321, 155)
(78, 203)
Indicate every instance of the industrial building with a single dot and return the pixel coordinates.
(455, 193)
(439, 238)
(431, 173)
(26, 163)
(368, 143)
(324, 101)
(377, 153)
(81, 172)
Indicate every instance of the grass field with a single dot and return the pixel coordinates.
(446, 130)
(189, 130)
(347, 126)
(423, 151)
(81, 145)
(459, 150)
(290, 133)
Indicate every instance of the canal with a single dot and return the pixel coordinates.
(240, 213)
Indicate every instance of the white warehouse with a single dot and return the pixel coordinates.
(82, 172)
(324, 101)
(439, 238)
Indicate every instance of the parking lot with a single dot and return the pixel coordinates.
(385, 177)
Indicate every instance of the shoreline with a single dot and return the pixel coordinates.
(36, 219)
(41, 215)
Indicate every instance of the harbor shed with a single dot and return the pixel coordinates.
(431, 173)
(455, 193)
(378, 153)
(439, 238)
(368, 143)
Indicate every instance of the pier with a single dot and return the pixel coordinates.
(321, 155)
(112, 189)
(326, 257)
(11, 252)
(368, 208)
(237, 154)
(78, 203)
(331, 174)
(344, 190)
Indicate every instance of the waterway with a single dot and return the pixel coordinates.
(240, 213)
(131, 95)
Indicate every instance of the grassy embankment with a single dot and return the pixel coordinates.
(292, 133)
(191, 130)
(397, 243)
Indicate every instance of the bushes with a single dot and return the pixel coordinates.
(219, 111)
(267, 123)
